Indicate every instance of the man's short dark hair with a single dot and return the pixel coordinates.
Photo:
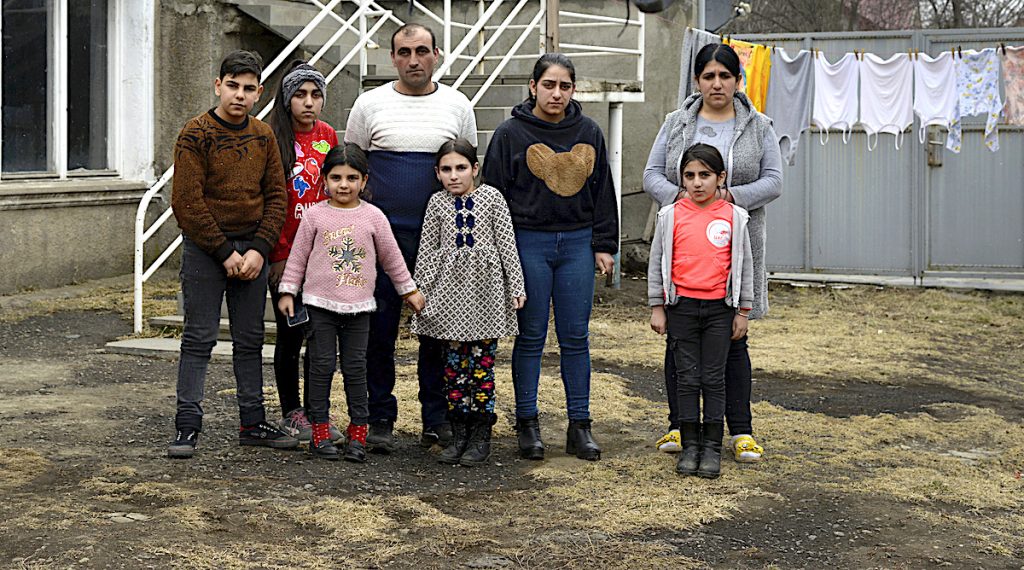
(410, 29)
(240, 62)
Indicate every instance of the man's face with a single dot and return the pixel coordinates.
(414, 58)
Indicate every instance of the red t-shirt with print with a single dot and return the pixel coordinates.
(702, 249)
(305, 185)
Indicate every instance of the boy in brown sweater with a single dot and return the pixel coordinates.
(229, 200)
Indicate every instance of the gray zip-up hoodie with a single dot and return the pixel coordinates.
(753, 140)
(739, 287)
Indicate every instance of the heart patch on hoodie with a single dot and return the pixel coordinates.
(564, 173)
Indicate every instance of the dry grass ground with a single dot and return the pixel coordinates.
(951, 468)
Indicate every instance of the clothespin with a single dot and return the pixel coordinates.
(1003, 46)
(960, 51)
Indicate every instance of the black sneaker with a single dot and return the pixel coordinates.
(440, 434)
(381, 439)
(266, 435)
(184, 444)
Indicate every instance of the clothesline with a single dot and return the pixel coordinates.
(882, 95)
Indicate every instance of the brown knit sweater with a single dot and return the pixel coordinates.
(228, 184)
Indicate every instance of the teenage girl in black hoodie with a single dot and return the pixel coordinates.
(550, 163)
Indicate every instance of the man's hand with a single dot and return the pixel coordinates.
(252, 263)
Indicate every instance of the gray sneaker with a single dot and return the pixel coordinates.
(296, 424)
(381, 438)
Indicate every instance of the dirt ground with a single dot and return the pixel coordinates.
(892, 422)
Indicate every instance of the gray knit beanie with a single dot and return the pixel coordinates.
(301, 74)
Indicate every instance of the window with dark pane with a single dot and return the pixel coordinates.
(87, 85)
(26, 85)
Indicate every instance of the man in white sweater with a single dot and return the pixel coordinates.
(401, 125)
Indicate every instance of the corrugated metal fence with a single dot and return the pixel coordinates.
(845, 210)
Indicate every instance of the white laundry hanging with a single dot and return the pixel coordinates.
(886, 96)
(835, 95)
(789, 98)
(935, 95)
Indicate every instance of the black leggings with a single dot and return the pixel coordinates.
(286, 359)
(738, 380)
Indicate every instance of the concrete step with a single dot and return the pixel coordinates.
(488, 119)
(171, 347)
(177, 322)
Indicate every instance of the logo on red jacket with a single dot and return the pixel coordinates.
(719, 233)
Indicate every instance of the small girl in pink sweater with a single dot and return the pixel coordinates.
(333, 262)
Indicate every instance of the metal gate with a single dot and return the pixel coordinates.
(847, 210)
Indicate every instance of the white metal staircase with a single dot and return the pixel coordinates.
(475, 58)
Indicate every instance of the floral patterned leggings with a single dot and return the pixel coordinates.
(469, 376)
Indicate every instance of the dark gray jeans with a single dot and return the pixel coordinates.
(204, 283)
(698, 337)
(331, 334)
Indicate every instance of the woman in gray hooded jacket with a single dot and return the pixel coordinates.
(723, 117)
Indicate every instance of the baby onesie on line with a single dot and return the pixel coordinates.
(789, 99)
(935, 95)
(977, 85)
(1013, 83)
(886, 96)
(835, 95)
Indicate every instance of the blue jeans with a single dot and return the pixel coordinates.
(380, 351)
(559, 269)
(204, 283)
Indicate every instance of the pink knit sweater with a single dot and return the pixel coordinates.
(335, 254)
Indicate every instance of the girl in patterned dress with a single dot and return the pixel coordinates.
(338, 247)
(468, 270)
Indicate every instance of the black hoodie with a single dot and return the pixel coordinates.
(555, 176)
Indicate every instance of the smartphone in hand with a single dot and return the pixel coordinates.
(300, 315)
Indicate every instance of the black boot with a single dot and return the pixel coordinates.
(530, 444)
(711, 450)
(580, 442)
(478, 446)
(457, 445)
(690, 457)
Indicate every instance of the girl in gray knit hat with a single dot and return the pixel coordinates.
(303, 140)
